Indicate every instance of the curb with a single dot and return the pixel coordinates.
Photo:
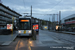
(63, 32)
(6, 43)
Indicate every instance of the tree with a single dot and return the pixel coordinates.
(50, 22)
(43, 22)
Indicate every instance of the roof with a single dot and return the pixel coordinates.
(10, 9)
(70, 16)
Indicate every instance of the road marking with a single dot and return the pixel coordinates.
(58, 41)
(17, 46)
(29, 44)
(7, 43)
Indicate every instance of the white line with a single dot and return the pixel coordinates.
(7, 43)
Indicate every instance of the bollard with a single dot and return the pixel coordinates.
(34, 35)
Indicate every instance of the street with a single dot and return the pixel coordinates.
(46, 40)
(37, 25)
(67, 38)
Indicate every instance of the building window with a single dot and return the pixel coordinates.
(71, 19)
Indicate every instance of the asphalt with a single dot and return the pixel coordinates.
(65, 32)
(39, 48)
(42, 42)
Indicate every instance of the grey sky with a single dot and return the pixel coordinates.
(67, 7)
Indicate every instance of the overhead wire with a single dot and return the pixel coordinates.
(24, 7)
(24, 3)
(57, 3)
(53, 7)
(40, 13)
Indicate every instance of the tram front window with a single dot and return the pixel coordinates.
(24, 25)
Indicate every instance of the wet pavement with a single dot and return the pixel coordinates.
(43, 42)
(7, 39)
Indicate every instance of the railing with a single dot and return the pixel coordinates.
(2, 22)
(8, 11)
(70, 21)
(6, 15)
(5, 19)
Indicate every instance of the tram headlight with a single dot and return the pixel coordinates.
(29, 31)
(19, 31)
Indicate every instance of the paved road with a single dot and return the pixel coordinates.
(45, 41)
(67, 38)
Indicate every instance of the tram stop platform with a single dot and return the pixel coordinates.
(7, 39)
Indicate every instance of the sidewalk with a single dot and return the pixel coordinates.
(7, 39)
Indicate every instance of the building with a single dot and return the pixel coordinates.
(68, 21)
(6, 15)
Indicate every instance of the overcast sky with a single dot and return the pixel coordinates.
(67, 7)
